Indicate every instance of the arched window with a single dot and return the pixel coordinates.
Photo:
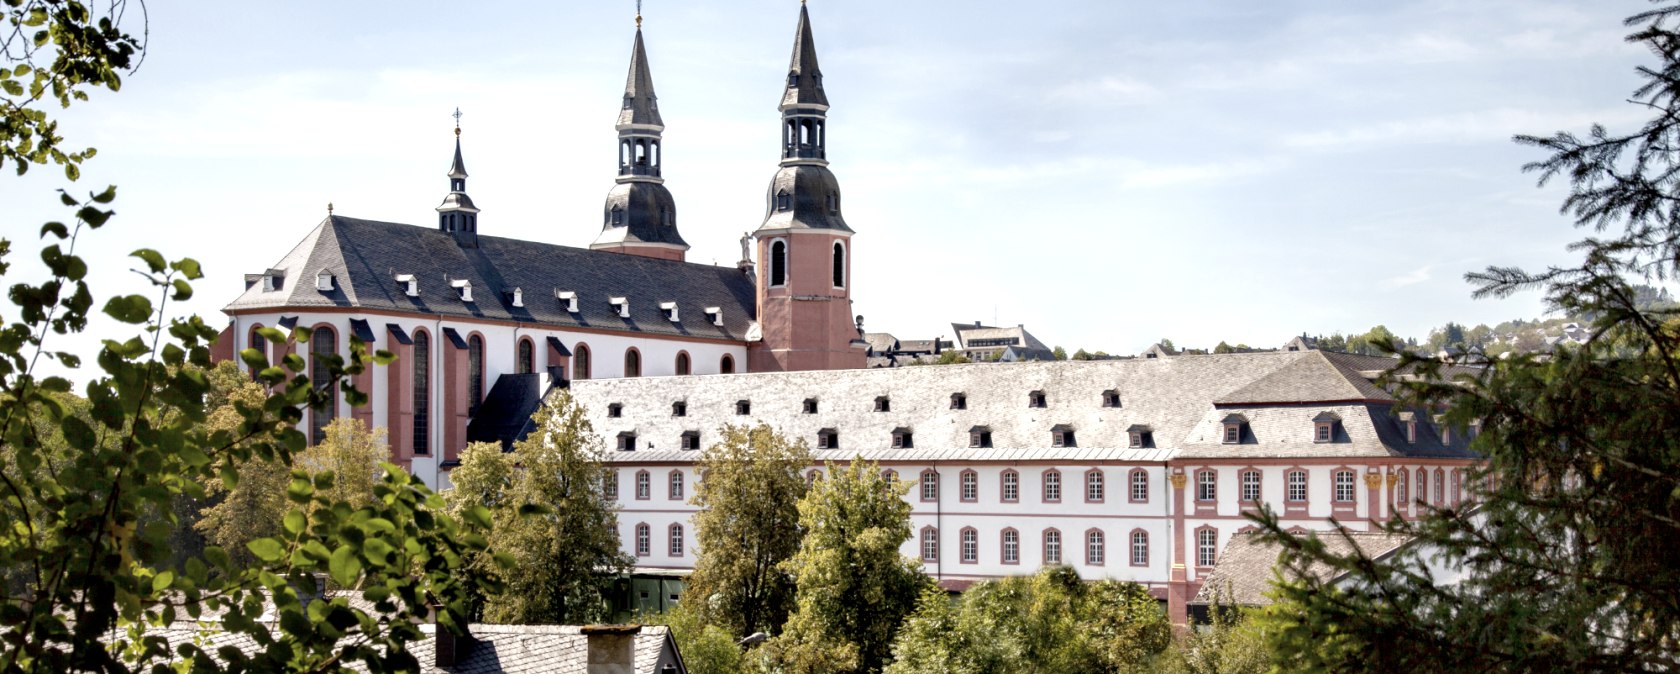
(260, 344)
(322, 344)
(726, 364)
(1052, 546)
(1140, 548)
(1423, 485)
(1093, 486)
(970, 546)
(644, 540)
(632, 362)
(1011, 547)
(778, 263)
(1440, 492)
(676, 540)
(1011, 486)
(930, 485)
(1140, 486)
(839, 265)
(609, 485)
(527, 357)
(676, 485)
(1094, 547)
(970, 486)
(644, 485)
(422, 393)
(580, 361)
(1400, 488)
(1052, 486)
(683, 366)
(475, 374)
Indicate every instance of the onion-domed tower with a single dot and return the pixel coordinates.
(804, 274)
(640, 217)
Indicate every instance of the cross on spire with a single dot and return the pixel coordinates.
(457, 117)
(638, 13)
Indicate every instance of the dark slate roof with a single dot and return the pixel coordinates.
(1247, 566)
(458, 168)
(365, 256)
(641, 106)
(808, 186)
(807, 89)
(644, 206)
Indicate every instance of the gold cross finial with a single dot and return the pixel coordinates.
(638, 14)
(329, 208)
(457, 117)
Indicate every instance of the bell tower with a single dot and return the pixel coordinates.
(804, 274)
(640, 217)
(457, 214)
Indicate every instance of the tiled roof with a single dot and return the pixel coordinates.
(1246, 567)
(366, 256)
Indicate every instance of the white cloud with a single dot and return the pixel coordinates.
(1411, 278)
(1497, 125)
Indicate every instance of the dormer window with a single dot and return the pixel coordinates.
(959, 401)
(1232, 429)
(679, 409)
(1061, 435)
(411, 285)
(828, 438)
(464, 287)
(783, 201)
(617, 216)
(1111, 398)
(1324, 427)
(715, 315)
(273, 280)
(980, 436)
(1409, 420)
(1446, 431)
(1037, 400)
(833, 203)
(615, 410)
(620, 305)
(690, 440)
(743, 407)
(810, 406)
(902, 438)
(568, 299)
(324, 281)
(626, 441)
(883, 404)
(518, 297)
(1140, 436)
(793, 79)
(670, 309)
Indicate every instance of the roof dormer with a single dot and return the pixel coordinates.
(1409, 423)
(517, 297)
(902, 438)
(568, 299)
(1140, 435)
(715, 315)
(1061, 435)
(828, 438)
(1325, 426)
(324, 281)
(1111, 399)
(1037, 399)
(1232, 428)
(620, 305)
(959, 401)
(411, 285)
(464, 287)
(670, 309)
(980, 436)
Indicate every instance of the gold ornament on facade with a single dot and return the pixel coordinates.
(1393, 478)
(1373, 480)
(1178, 480)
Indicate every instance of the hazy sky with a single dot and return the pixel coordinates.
(1106, 172)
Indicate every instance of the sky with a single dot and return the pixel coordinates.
(1106, 172)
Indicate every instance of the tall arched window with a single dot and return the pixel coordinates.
(580, 361)
(527, 357)
(322, 344)
(839, 265)
(422, 393)
(683, 366)
(1052, 546)
(475, 374)
(778, 263)
(644, 540)
(632, 362)
(1094, 553)
(726, 364)
(260, 343)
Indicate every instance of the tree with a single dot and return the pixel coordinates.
(1059, 353)
(556, 523)
(1081, 355)
(351, 453)
(1566, 562)
(854, 587)
(1048, 622)
(1222, 347)
(1235, 643)
(706, 648)
(747, 528)
(1167, 345)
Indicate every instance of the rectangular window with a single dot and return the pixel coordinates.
(1232, 433)
(1344, 486)
(609, 485)
(1140, 486)
(1011, 487)
(1324, 432)
(1297, 481)
(1140, 548)
(930, 545)
(930, 486)
(1094, 486)
(644, 486)
(1207, 485)
(1207, 547)
(1052, 547)
(970, 486)
(970, 546)
(1251, 486)
(1052, 487)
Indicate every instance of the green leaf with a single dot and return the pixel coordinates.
(129, 309)
(267, 549)
(295, 522)
(162, 581)
(154, 260)
(344, 566)
(478, 515)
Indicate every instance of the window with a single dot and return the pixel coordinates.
(1233, 428)
(1036, 399)
(959, 401)
(778, 254)
(260, 345)
(1322, 433)
(813, 477)
(644, 485)
(1094, 547)
(323, 349)
(679, 409)
(810, 406)
(1062, 436)
(970, 546)
(902, 438)
(1135, 439)
(883, 404)
(1140, 485)
(1140, 548)
(475, 374)
(1207, 547)
(1422, 485)
(743, 407)
(1111, 398)
(1250, 486)
(683, 364)
(1344, 486)
(580, 361)
(1011, 487)
(609, 485)
(615, 410)
(980, 436)
(422, 392)
(783, 201)
(839, 258)
(1296, 480)
(690, 440)
(726, 365)
(828, 438)
(627, 441)
(889, 475)
(1093, 486)
(527, 361)
(1400, 487)
(1011, 546)
(676, 540)
(1052, 546)
(1457, 486)
(644, 540)
(676, 493)
(970, 486)
(1231, 434)
(1207, 485)
(1440, 486)
(632, 362)
(930, 544)
(930, 485)
(1052, 487)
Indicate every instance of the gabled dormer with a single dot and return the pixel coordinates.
(1326, 427)
(1232, 429)
(1139, 436)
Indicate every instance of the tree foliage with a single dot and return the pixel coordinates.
(55, 52)
(854, 587)
(706, 648)
(747, 527)
(1567, 562)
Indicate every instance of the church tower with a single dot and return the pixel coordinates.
(457, 214)
(640, 217)
(804, 274)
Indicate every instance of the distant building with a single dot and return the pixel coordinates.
(885, 350)
(984, 342)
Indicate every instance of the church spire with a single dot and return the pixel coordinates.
(640, 217)
(457, 214)
(804, 77)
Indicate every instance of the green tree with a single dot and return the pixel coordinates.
(706, 648)
(747, 528)
(556, 524)
(1059, 353)
(1081, 355)
(351, 453)
(1567, 561)
(1222, 347)
(854, 587)
(952, 357)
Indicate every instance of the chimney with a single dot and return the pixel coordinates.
(612, 648)
(448, 648)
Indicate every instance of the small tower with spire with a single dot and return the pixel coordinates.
(640, 217)
(804, 274)
(457, 214)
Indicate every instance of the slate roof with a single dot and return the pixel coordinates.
(1247, 566)
(807, 89)
(1028, 345)
(1174, 396)
(365, 256)
(641, 106)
